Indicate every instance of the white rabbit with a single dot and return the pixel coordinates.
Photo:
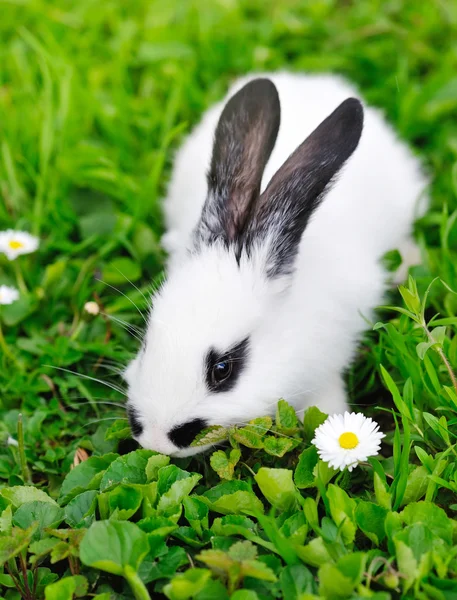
(267, 292)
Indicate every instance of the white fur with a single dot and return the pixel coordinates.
(303, 332)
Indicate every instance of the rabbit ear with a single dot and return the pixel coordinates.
(295, 191)
(244, 139)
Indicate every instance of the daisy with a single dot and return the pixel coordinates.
(92, 308)
(8, 294)
(14, 243)
(346, 440)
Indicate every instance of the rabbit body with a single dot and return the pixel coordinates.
(304, 327)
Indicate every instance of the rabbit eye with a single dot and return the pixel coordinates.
(222, 371)
(224, 368)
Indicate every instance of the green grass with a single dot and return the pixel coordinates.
(94, 97)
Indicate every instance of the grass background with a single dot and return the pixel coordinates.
(95, 96)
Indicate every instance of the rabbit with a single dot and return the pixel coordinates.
(281, 203)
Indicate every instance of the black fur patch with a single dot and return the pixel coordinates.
(183, 435)
(135, 424)
(237, 356)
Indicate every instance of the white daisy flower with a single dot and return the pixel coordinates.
(14, 243)
(92, 308)
(343, 441)
(8, 294)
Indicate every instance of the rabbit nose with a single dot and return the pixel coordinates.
(183, 435)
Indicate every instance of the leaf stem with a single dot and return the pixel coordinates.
(441, 354)
(22, 458)
(20, 277)
(28, 593)
(3, 345)
(138, 588)
(11, 567)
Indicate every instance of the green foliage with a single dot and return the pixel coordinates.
(94, 100)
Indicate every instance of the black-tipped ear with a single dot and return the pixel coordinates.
(244, 139)
(296, 190)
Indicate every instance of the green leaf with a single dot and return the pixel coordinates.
(244, 595)
(217, 560)
(286, 418)
(370, 519)
(190, 537)
(42, 548)
(312, 419)
(245, 503)
(167, 476)
(383, 496)
(211, 435)
(244, 550)
(310, 511)
(304, 472)
(15, 313)
(85, 476)
(342, 510)
(155, 463)
(422, 348)
(12, 545)
(333, 584)
(233, 525)
(224, 463)
(114, 545)
(196, 513)
(130, 468)
(278, 487)
(67, 588)
(166, 566)
(421, 540)
(224, 489)
(416, 485)
(296, 580)
(159, 526)
(278, 446)
(432, 516)
(119, 430)
(411, 299)
(186, 585)
(124, 501)
(53, 273)
(260, 424)
(178, 490)
(80, 512)
(6, 520)
(315, 553)
(249, 437)
(19, 495)
(407, 564)
(45, 514)
(257, 569)
(295, 528)
(353, 566)
(121, 269)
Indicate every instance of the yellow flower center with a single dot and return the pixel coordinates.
(15, 245)
(348, 440)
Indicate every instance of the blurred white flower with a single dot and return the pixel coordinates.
(343, 441)
(8, 294)
(14, 243)
(11, 441)
(92, 308)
